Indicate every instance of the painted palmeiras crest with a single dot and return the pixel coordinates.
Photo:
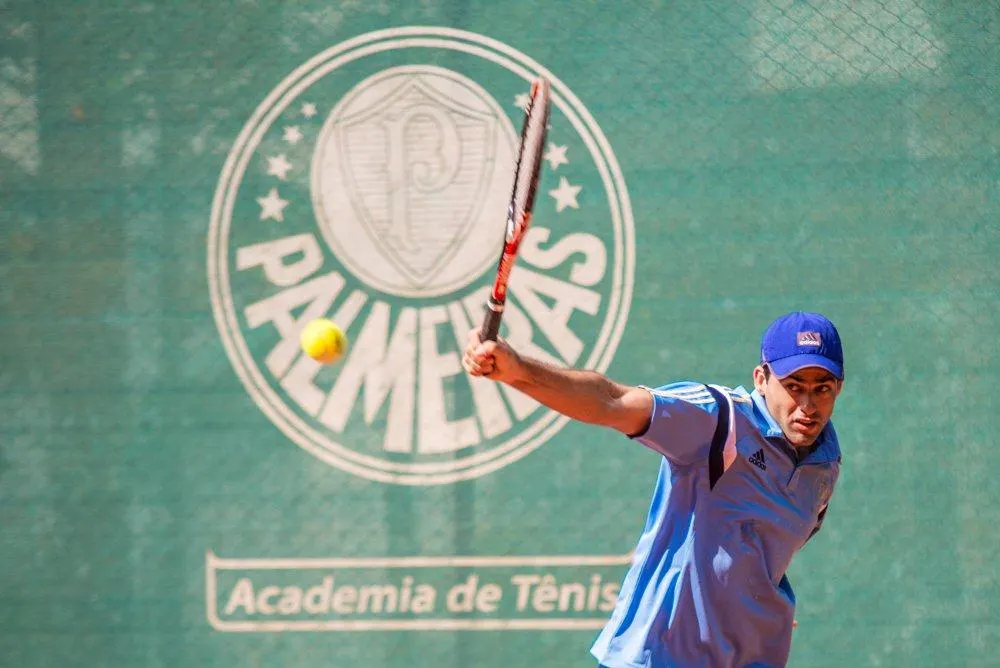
(370, 186)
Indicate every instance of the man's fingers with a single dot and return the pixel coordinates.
(477, 370)
(482, 352)
(476, 343)
(479, 359)
(470, 365)
(478, 365)
(474, 337)
(475, 366)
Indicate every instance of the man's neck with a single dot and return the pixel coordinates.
(803, 451)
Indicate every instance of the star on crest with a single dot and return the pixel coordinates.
(521, 101)
(565, 195)
(292, 134)
(556, 155)
(278, 166)
(308, 109)
(272, 207)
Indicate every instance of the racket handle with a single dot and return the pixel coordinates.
(491, 322)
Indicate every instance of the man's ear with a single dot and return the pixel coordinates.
(760, 379)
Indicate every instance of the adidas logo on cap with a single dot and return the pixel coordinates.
(809, 339)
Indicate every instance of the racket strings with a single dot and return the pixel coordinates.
(532, 146)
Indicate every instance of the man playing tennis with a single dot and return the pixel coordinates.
(744, 482)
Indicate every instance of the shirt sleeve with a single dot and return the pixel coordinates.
(682, 422)
(819, 522)
(821, 516)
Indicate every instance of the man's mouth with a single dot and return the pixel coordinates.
(805, 425)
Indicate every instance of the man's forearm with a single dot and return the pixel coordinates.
(587, 396)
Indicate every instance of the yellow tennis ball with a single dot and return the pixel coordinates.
(323, 341)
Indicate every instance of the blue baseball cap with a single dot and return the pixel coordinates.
(799, 340)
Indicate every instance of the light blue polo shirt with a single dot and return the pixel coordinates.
(707, 584)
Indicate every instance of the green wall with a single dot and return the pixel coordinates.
(165, 459)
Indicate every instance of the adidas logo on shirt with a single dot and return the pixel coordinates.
(757, 459)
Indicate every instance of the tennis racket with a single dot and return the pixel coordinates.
(522, 200)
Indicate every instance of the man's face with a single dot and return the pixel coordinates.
(801, 403)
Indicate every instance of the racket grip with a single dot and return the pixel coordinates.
(491, 322)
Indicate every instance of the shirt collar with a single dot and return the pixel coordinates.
(828, 445)
(765, 422)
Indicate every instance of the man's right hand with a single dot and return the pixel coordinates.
(587, 396)
(495, 360)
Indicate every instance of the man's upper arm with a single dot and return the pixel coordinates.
(681, 422)
(635, 410)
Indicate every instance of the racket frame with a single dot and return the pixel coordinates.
(519, 217)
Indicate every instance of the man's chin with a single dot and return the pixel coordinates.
(799, 440)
